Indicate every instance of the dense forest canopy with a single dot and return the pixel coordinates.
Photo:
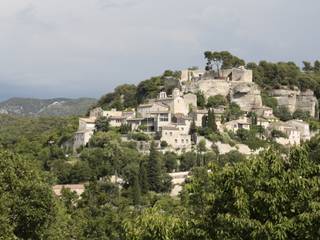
(269, 196)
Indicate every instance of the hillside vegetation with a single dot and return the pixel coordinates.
(46, 107)
(272, 195)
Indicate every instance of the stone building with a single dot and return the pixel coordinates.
(85, 132)
(176, 138)
(235, 125)
(293, 134)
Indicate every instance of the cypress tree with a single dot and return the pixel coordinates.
(154, 169)
(212, 121)
(136, 190)
(193, 131)
(143, 178)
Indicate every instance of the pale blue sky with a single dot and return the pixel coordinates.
(73, 48)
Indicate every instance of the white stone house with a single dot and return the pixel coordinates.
(85, 132)
(303, 128)
(235, 125)
(176, 138)
(293, 134)
(117, 121)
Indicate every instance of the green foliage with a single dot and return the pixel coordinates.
(222, 60)
(230, 158)
(302, 115)
(157, 178)
(282, 113)
(124, 96)
(211, 122)
(201, 101)
(263, 197)
(250, 138)
(269, 101)
(102, 124)
(26, 199)
(187, 161)
(278, 134)
(170, 161)
(149, 88)
(216, 101)
(232, 112)
(153, 224)
(139, 136)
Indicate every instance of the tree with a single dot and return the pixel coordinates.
(263, 197)
(307, 67)
(102, 124)
(216, 101)
(154, 169)
(143, 178)
(154, 223)
(253, 117)
(212, 121)
(317, 66)
(187, 161)
(170, 161)
(26, 199)
(201, 101)
(222, 60)
(299, 114)
(201, 148)
(193, 131)
(283, 113)
(136, 190)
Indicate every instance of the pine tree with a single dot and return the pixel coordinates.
(154, 169)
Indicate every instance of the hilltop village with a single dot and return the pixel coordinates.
(218, 109)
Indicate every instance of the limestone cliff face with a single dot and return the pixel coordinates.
(212, 87)
(296, 100)
(246, 95)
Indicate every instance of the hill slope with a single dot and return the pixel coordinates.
(46, 107)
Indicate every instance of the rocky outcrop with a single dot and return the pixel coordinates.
(246, 95)
(212, 87)
(296, 100)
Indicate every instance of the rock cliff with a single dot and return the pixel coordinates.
(296, 100)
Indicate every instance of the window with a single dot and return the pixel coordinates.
(176, 140)
(170, 133)
(164, 117)
(182, 140)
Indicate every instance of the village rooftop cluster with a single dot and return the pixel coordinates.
(168, 118)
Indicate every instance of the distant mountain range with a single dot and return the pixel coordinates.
(46, 107)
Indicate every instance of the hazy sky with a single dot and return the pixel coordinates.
(73, 48)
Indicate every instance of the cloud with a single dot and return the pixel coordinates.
(88, 47)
